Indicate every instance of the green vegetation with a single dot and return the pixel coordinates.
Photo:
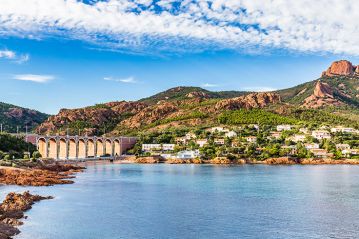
(255, 116)
(11, 146)
(322, 117)
(181, 92)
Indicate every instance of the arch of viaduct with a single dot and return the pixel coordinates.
(82, 147)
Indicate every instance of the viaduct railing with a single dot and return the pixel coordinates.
(82, 147)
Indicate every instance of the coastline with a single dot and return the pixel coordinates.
(41, 174)
(61, 172)
(222, 161)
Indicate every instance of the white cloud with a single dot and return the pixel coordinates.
(7, 54)
(130, 80)
(11, 55)
(209, 85)
(258, 89)
(137, 25)
(34, 78)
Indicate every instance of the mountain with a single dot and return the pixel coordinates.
(338, 86)
(185, 92)
(333, 98)
(12, 116)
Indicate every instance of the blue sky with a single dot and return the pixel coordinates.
(67, 62)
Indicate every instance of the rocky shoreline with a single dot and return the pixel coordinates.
(12, 210)
(226, 161)
(40, 174)
(46, 175)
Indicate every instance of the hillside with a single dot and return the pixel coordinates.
(333, 99)
(185, 92)
(12, 116)
(338, 86)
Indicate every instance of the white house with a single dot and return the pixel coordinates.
(284, 127)
(348, 152)
(168, 147)
(188, 154)
(275, 135)
(342, 129)
(231, 134)
(251, 139)
(321, 153)
(219, 141)
(151, 147)
(298, 138)
(321, 134)
(190, 136)
(311, 146)
(218, 129)
(202, 142)
(342, 146)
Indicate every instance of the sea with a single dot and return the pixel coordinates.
(110, 201)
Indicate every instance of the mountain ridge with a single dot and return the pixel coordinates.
(334, 94)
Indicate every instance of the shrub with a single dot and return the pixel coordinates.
(7, 157)
(36, 155)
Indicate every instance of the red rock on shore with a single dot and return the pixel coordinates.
(12, 209)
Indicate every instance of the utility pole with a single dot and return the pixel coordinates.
(1, 128)
(26, 133)
(17, 130)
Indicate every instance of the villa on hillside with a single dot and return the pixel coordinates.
(284, 127)
(202, 142)
(342, 146)
(188, 154)
(275, 135)
(157, 147)
(321, 153)
(298, 138)
(218, 129)
(219, 141)
(251, 139)
(349, 152)
(311, 146)
(341, 129)
(321, 134)
(151, 147)
(231, 134)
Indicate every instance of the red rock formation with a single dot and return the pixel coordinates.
(12, 209)
(253, 100)
(322, 96)
(150, 115)
(343, 67)
(323, 90)
(95, 116)
(198, 94)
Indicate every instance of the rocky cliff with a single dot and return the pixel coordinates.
(341, 68)
(323, 95)
(250, 101)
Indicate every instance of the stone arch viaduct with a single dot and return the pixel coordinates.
(82, 147)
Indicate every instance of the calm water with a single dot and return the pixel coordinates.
(194, 201)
